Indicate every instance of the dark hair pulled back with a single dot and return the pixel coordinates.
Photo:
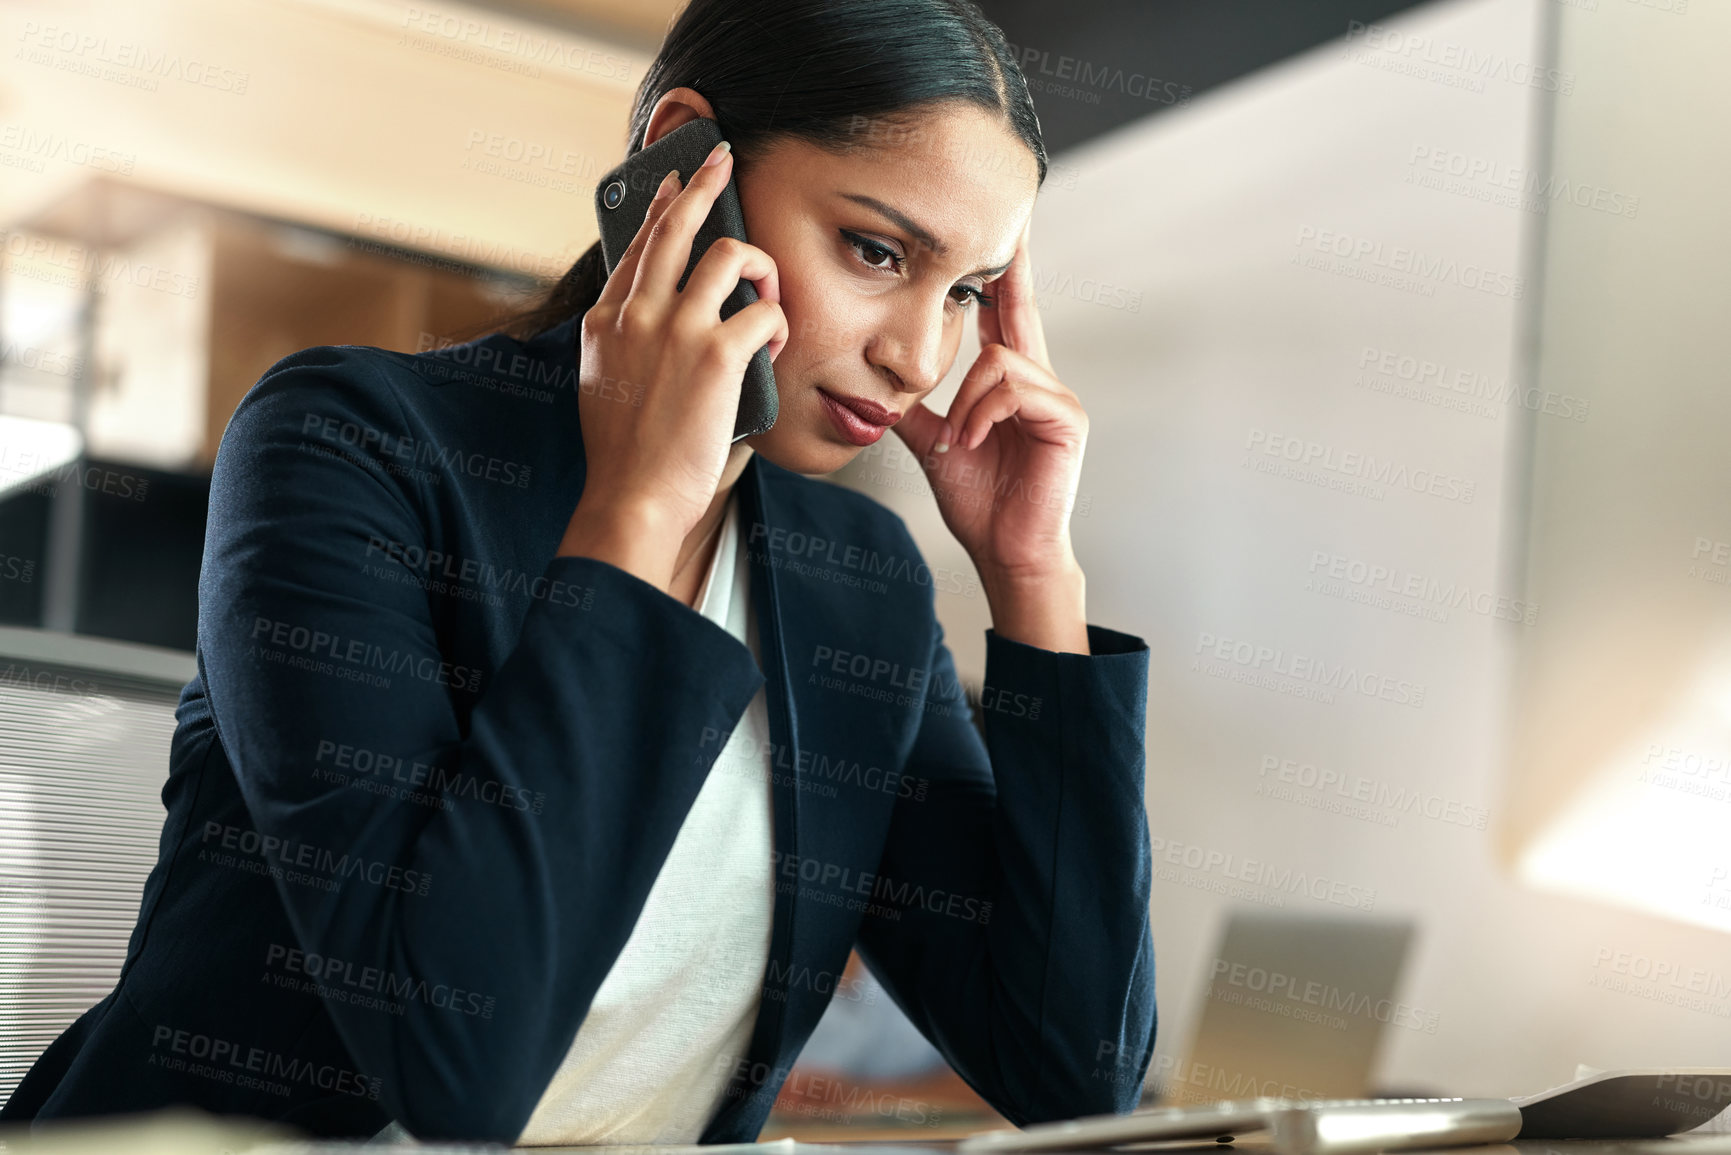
(840, 74)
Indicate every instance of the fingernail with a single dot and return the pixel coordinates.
(668, 184)
(943, 445)
(716, 153)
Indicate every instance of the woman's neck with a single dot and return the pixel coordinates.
(697, 551)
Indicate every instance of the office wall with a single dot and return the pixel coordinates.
(1622, 752)
(1312, 288)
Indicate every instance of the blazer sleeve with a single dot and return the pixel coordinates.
(600, 707)
(1015, 933)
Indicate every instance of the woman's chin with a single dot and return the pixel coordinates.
(812, 456)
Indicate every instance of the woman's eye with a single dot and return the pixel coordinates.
(978, 296)
(871, 252)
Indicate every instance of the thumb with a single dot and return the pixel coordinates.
(919, 429)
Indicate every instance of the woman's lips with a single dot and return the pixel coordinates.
(861, 422)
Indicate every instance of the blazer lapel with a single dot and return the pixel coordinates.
(753, 1079)
(835, 757)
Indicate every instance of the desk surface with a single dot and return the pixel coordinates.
(192, 1133)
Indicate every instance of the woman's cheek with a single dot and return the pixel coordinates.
(820, 318)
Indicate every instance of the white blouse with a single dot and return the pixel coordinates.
(653, 1057)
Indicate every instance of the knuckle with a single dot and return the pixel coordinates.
(599, 319)
(687, 327)
(635, 325)
(716, 357)
(666, 227)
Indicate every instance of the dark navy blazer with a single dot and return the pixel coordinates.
(428, 771)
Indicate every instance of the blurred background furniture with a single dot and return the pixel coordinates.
(85, 726)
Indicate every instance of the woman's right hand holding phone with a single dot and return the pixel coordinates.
(659, 379)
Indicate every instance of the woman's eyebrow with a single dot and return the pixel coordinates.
(915, 230)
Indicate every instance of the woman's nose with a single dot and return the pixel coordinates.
(910, 347)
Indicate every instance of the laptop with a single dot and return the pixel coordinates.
(1295, 1008)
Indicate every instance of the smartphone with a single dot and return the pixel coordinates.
(621, 200)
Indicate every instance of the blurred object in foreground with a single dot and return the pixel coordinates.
(867, 1073)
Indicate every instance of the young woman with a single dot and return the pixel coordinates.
(549, 753)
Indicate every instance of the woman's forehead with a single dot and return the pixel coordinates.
(959, 183)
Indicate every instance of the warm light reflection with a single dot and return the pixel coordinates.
(31, 449)
(1649, 831)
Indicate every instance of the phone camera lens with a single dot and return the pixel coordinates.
(613, 194)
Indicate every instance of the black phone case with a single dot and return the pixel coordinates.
(631, 186)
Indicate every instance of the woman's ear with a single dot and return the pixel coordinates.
(676, 107)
